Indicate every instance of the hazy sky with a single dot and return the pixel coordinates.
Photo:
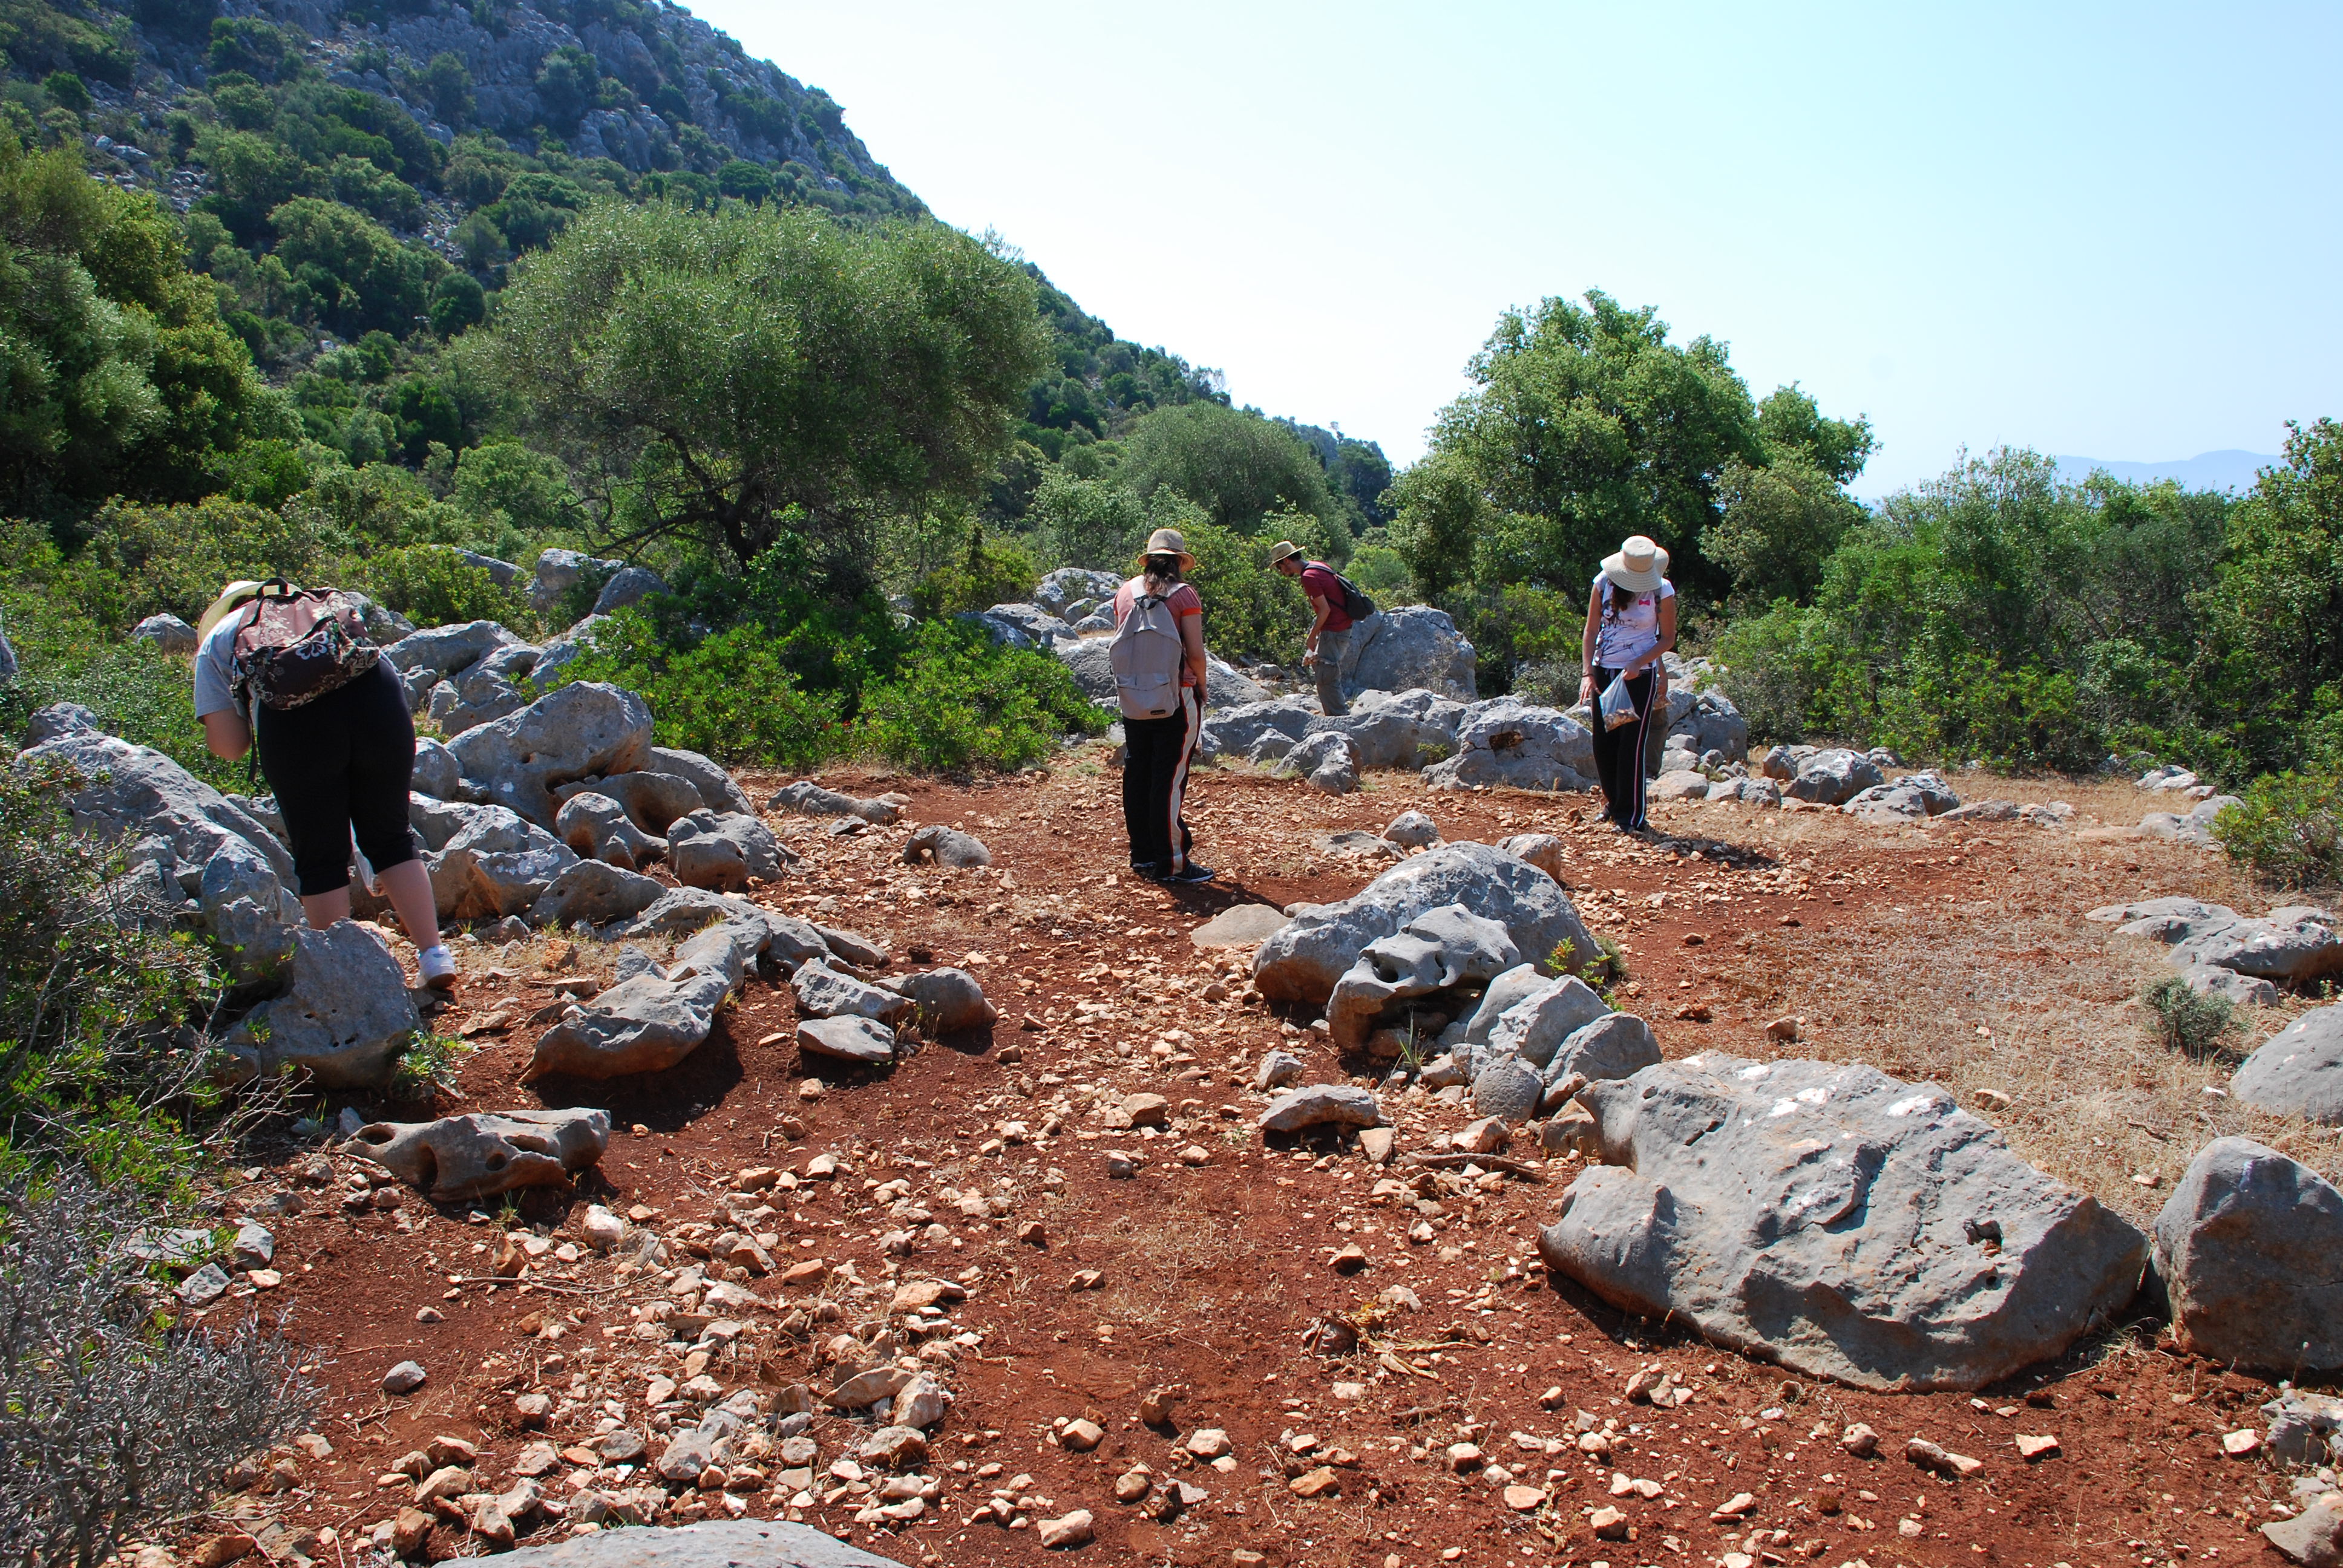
(2107, 230)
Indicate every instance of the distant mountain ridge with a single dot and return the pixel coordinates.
(2229, 469)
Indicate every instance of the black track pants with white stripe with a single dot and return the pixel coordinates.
(1155, 783)
(1619, 753)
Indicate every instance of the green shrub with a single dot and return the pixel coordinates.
(2184, 1021)
(961, 701)
(148, 559)
(2287, 829)
(733, 696)
(431, 584)
(986, 576)
(98, 1065)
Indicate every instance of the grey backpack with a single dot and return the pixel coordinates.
(1147, 655)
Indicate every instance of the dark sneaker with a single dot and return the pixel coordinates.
(1150, 870)
(1193, 872)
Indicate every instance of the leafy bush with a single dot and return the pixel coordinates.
(2184, 1021)
(177, 558)
(986, 576)
(961, 701)
(431, 584)
(111, 1422)
(733, 696)
(1250, 610)
(98, 1062)
(2287, 829)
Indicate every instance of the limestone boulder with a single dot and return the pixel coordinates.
(1320, 1105)
(558, 571)
(826, 992)
(464, 1159)
(1397, 730)
(726, 1544)
(573, 732)
(1240, 731)
(436, 773)
(719, 791)
(812, 799)
(1409, 647)
(2193, 827)
(596, 827)
(1510, 742)
(944, 1000)
(495, 865)
(628, 586)
(1914, 798)
(1507, 1088)
(2298, 1071)
(1412, 831)
(1547, 852)
(596, 892)
(848, 1037)
(2245, 1251)
(1474, 1028)
(652, 801)
(560, 652)
(466, 701)
(1616, 1045)
(166, 633)
(1534, 1027)
(2295, 951)
(1706, 721)
(446, 650)
(1435, 952)
(1834, 777)
(1838, 1221)
(1680, 784)
(1327, 759)
(1303, 962)
(946, 847)
(342, 1022)
(1023, 627)
(646, 1024)
(1070, 590)
(723, 851)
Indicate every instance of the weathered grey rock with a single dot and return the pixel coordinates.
(1396, 729)
(462, 1159)
(2243, 991)
(709, 850)
(1616, 1045)
(1408, 648)
(1412, 831)
(1507, 741)
(344, 1019)
(1833, 777)
(167, 632)
(825, 992)
(813, 800)
(2247, 1250)
(1836, 1221)
(596, 892)
(2295, 952)
(1239, 731)
(495, 865)
(1303, 962)
(133, 792)
(1357, 844)
(444, 650)
(61, 718)
(1067, 587)
(642, 1025)
(1513, 985)
(1277, 1069)
(849, 1037)
(1327, 759)
(1534, 1028)
(1781, 762)
(1707, 722)
(1018, 625)
(1914, 798)
(1544, 850)
(1320, 1105)
(574, 732)
(470, 700)
(684, 909)
(8, 665)
(558, 571)
(599, 828)
(2194, 827)
(1679, 784)
(1239, 925)
(628, 586)
(652, 801)
(2313, 1537)
(560, 652)
(944, 1000)
(946, 847)
(718, 789)
(731, 1543)
(2304, 1428)
(436, 773)
(1507, 1088)
(1437, 951)
(2298, 1071)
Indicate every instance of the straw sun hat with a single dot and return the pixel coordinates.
(234, 594)
(1168, 542)
(1638, 566)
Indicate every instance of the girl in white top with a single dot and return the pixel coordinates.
(1631, 623)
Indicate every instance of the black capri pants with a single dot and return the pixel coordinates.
(341, 764)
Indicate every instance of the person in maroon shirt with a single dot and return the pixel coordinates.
(1330, 632)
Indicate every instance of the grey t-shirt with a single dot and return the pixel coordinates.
(216, 666)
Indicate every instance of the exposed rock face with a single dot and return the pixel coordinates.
(646, 1024)
(1534, 1027)
(1846, 1224)
(1507, 741)
(596, 892)
(597, 826)
(945, 1000)
(732, 1543)
(628, 586)
(558, 571)
(436, 773)
(724, 850)
(462, 1158)
(1399, 728)
(569, 733)
(1303, 962)
(1616, 1045)
(1019, 625)
(652, 801)
(1439, 949)
(946, 847)
(1706, 721)
(472, 699)
(1327, 759)
(1070, 590)
(559, 652)
(1406, 647)
(1240, 730)
(428, 658)
(495, 865)
(167, 632)
(1319, 1105)
(2298, 1071)
(1914, 798)
(718, 789)
(1544, 850)
(344, 1019)
(2293, 944)
(2247, 1250)
(1833, 777)
(813, 800)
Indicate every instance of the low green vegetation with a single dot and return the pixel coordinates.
(2195, 1026)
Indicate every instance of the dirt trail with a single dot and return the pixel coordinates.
(1209, 1274)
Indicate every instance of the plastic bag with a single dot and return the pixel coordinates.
(1616, 706)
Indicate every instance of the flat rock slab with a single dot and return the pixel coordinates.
(850, 1038)
(462, 1158)
(2247, 1248)
(1243, 926)
(1835, 1220)
(641, 1025)
(732, 1543)
(1321, 1104)
(2298, 1071)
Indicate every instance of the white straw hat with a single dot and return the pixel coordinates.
(1639, 566)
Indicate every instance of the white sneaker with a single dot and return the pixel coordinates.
(438, 967)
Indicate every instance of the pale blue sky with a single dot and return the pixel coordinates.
(2102, 229)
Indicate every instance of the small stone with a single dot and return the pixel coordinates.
(2242, 1443)
(1464, 1457)
(1088, 1280)
(254, 1247)
(1349, 1261)
(1609, 1524)
(1146, 1111)
(1132, 1486)
(404, 1378)
(1209, 1443)
(1376, 1144)
(447, 1481)
(1525, 1499)
(1320, 1483)
(1195, 1154)
(601, 1229)
(533, 1411)
(409, 1532)
(1859, 1441)
(445, 1450)
(1784, 1029)
(1069, 1530)
(1155, 1408)
(1033, 1234)
(2034, 1448)
(1733, 1507)
(205, 1286)
(1944, 1461)
(1081, 1435)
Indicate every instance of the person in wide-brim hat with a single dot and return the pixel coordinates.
(1631, 625)
(1168, 542)
(241, 592)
